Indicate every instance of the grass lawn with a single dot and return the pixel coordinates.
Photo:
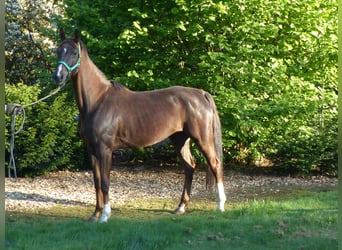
(306, 220)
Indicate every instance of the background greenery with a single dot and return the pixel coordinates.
(272, 69)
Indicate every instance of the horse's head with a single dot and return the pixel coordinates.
(69, 57)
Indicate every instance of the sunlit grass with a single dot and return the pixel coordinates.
(307, 220)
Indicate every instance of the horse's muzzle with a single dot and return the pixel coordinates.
(60, 75)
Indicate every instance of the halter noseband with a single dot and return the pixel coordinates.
(70, 69)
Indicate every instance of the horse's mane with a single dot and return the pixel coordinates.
(101, 74)
(97, 70)
(117, 85)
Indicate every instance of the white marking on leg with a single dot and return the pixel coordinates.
(221, 197)
(106, 212)
(181, 209)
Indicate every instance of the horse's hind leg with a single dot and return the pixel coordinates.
(182, 147)
(216, 167)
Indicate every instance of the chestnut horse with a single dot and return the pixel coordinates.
(113, 117)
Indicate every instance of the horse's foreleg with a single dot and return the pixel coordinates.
(106, 164)
(97, 183)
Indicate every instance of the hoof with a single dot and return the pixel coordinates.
(179, 210)
(103, 219)
(93, 218)
(220, 207)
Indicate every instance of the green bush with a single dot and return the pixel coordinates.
(49, 140)
(272, 69)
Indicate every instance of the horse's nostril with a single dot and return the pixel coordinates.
(57, 77)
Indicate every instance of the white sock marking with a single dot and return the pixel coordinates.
(106, 212)
(221, 197)
(181, 208)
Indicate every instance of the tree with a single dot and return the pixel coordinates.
(28, 43)
(272, 67)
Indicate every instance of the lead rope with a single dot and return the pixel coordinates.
(16, 109)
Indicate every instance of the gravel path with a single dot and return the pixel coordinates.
(76, 188)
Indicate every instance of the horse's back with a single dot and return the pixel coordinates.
(171, 95)
(179, 94)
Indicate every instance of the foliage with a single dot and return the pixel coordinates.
(272, 68)
(28, 43)
(49, 140)
(301, 221)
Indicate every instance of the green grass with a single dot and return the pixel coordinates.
(306, 220)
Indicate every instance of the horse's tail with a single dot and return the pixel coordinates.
(217, 133)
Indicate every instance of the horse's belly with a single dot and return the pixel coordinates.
(145, 135)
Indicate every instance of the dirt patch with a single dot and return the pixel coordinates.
(77, 188)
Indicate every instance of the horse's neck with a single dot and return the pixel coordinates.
(89, 85)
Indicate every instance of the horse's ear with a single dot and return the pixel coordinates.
(77, 35)
(61, 34)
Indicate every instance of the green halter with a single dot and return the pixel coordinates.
(70, 69)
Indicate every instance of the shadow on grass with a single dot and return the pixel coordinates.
(42, 198)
